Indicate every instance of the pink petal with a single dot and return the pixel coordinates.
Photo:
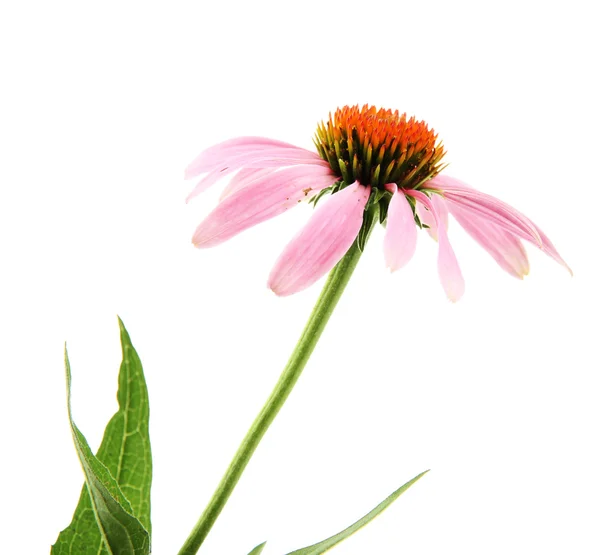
(400, 239)
(219, 157)
(220, 153)
(274, 156)
(488, 207)
(493, 210)
(256, 161)
(551, 251)
(427, 218)
(244, 177)
(506, 249)
(322, 242)
(442, 210)
(260, 200)
(247, 176)
(207, 181)
(448, 268)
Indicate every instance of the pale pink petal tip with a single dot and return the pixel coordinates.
(222, 153)
(400, 241)
(488, 208)
(449, 271)
(497, 214)
(322, 242)
(551, 251)
(506, 249)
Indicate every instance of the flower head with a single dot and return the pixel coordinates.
(371, 162)
(377, 147)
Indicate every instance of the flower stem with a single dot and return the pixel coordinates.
(332, 291)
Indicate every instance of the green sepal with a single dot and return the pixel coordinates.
(378, 194)
(383, 198)
(319, 195)
(113, 513)
(383, 210)
(332, 541)
(413, 205)
(337, 186)
(370, 216)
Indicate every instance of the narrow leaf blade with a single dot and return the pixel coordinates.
(258, 549)
(121, 470)
(327, 544)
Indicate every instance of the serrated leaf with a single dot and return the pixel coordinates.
(327, 544)
(121, 469)
(258, 549)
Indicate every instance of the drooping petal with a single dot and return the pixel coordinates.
(448, 268)
(257, 161)
(442, 210)
(242, 178)
(260, 200)
(427, 218)
(506, 249)
(494, 210)
(220, 154)
(270, 156)
(400, 239)
(322, 242)
(207, 181)
(550, 250)
(488, 207)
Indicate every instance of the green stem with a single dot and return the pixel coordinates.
(332, 291)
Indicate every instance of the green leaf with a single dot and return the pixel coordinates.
(125, 448)
(327, 544)
(258, 549)
(115, 518)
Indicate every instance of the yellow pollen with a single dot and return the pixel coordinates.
(376, 147)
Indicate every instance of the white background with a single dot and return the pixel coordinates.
(104, 104)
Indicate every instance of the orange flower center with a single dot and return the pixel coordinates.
(376, 147)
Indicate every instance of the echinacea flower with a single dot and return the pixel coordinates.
(371, 161)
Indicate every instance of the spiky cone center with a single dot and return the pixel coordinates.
(377, 147)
